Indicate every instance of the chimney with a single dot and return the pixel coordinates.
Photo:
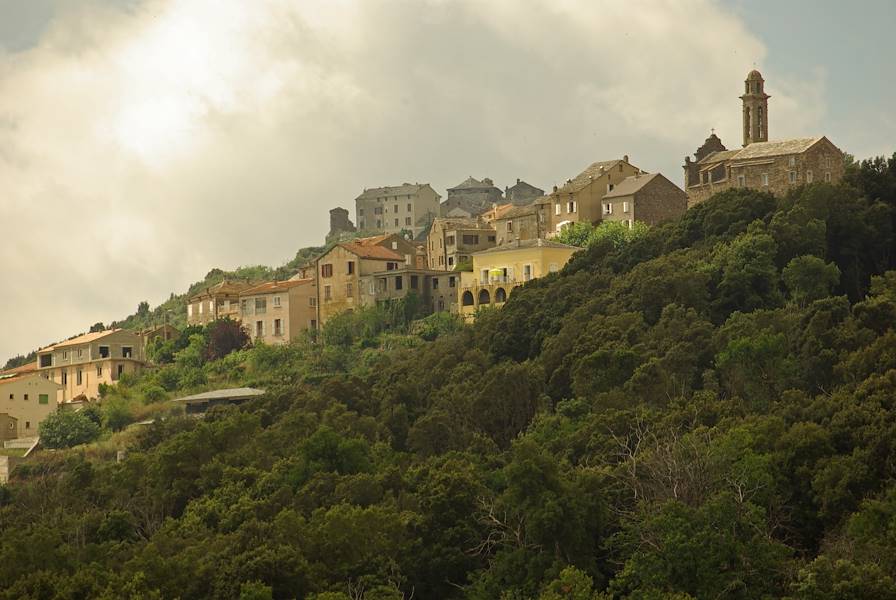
(517, 179)
(555, 188)
(625, 158)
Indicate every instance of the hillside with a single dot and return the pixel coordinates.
(704, 412)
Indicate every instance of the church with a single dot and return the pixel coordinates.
(773, 166)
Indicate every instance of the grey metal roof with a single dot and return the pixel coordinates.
(632, 185)
(393, 190)
(242, 393)
(536, 243)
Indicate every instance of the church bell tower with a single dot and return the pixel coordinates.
(755, 109)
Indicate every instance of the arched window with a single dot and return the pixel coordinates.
(467, 298)
(500, 295)
(484, 297)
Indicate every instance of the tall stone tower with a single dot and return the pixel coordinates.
(755, 109)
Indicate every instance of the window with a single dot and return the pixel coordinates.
(629, 223)
(65, 378)
(46, 360)
(827, 176)
(391, 266)
(491, 239)
(509, 226)
(313, 324)
(64, 354)
(441, 304)
(312, 301)
(259, 328)
(483, 276)
(43, 399)
(278, 327)
(276, 301)
(792, 176)
(379, 224)
(104, 351)
(127, 352)
(473, 239)
(79, 377)
(201, 307)
(435, 283)
(571, 206)
(451, 281)
(625, 207)
(327, 293)
(27, 424)
(765, 180)
(527, 272)
(360, 212)
(120, 371)
(449, 240)
(610, 187)
(396, 222)
(395, 208)
(792, 161)
(350, 267)
(326, 270)
(414, 282)
(80, 352)
(450, 261)
(409, 207)
(244, 306)
(809, 176)
(441, 260)
(407, 221)
(608, 208)
(557, 209)
(378, 210)
(395, 245)
(99, 371)
(349, 290)
(827, 162)
(399, 283)
(189, 310)
(741, 181)
(261, 306)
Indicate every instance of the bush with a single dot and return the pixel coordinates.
(65, 429)
(117, 416)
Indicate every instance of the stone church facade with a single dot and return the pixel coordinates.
(773, 166)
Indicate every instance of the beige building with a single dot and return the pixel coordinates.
(773, 166)
(648, 198)
(393, 209)
(278, 312)
(437, 289)
(527, 222)
(340, 269)
(82, 363)
(497, 271)
(453, 241)
(580, 198)
(218, 301)
(26, 398)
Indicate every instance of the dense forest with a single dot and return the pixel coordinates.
(702, 411)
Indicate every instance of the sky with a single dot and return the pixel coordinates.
(145, 142)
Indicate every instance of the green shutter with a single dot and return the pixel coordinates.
(43, 399)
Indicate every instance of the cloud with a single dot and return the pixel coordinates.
(140, 147)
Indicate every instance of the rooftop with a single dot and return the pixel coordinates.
(470, 183)
(82, 339)
(520, 244)
(243, 393)
(593, 171)
(270, 287)
(224, 287)
(371, 251)
(632, 185)
(392, 190)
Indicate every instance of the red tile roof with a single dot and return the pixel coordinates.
(371, 252)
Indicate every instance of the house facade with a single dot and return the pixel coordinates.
(81, 364)
(649, 198)
(277, 312)
(453, 241)
(392, 209)
(218, 301)
(522, 193)
(472, 197)
(580, 199)
(772, 166)
(528, 222)
(499, 270)
(339, 270)
(26, 399)
(436, 289)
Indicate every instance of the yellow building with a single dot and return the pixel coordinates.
(26, 398)
(497, 271)
(277, 312)
(82, 363)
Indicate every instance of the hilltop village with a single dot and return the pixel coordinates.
(459, 254)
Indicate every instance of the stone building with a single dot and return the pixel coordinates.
(218, 301)
(394, 209)
(471, 197)
(648, 198)
(773, 166)
(522, 193)
(580, 198)
(453, 241)
(437, 290)
(528, 222)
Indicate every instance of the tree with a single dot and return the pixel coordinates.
(576, 234)
(64, 429)
(223, 337)
(97, 327)
(117, 415)
(809, 278)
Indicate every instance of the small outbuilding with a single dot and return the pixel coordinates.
(200, 403)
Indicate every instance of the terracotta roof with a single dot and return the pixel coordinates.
(393, 190)
(223, 287)
(270, 287)
(82, 339)
(521, 211)
(634, 184)
(372, 252)
(374, 240)
(451, 223)
(537, 243)
(13, 375)
(497, 212)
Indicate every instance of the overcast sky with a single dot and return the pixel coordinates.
(143, 142)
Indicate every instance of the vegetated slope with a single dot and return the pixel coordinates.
(706, 412)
